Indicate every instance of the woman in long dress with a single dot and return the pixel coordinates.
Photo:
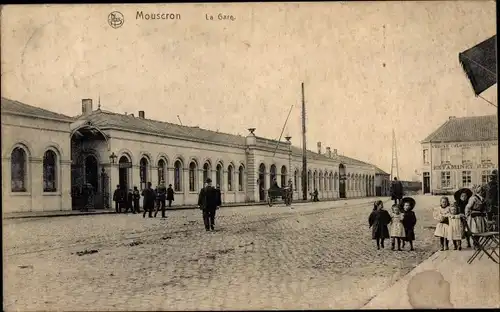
(475, 212)
(461, 199)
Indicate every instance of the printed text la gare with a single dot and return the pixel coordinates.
(219, 17)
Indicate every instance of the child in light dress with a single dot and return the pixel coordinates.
(456, 227)
(397, 229)
(441, 215)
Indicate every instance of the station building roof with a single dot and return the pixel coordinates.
(106, 120)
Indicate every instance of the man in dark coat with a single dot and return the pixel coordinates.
(209, 201)
(130, 201)
(136, 198)
(396, 191)
(492, 195)
(149, 200)
(162, 196)
(170, 195)
(119, 198)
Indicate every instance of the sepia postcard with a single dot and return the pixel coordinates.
(250, 156)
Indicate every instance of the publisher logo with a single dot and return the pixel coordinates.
(116, 19)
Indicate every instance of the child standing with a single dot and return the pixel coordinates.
(441, 215)
(397, 229)
(409, 220)
(378, 220)
(455, 227)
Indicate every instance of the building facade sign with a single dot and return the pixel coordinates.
(125, 165)
(465, 166)
(465, 144)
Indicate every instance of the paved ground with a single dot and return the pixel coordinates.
(465, 286)
(314, 256)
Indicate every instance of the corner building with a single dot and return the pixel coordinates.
(48, 157)
(460, 153)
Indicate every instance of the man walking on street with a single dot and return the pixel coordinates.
(209, 201)
(396, 191)
(136, 197)
(149, 200)
(170, 195)
(162, 194)
(118, 198)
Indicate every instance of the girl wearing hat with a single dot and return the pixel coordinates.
(475, 212)
(441, 215)
(409, 220)
(461, 199)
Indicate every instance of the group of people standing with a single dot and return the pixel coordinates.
(468, 215)
(152, 199)
(398, 225)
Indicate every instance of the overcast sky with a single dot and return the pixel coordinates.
(233, 75)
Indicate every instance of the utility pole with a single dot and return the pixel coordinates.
(304, 147)
(394, 165)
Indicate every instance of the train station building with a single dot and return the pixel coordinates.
(460, 153)
(47, 158)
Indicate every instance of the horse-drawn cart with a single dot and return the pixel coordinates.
(276, 192)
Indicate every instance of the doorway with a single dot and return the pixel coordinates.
(92, 172)
(427, 182)
(261, 182)
(342, 180)
(123, 172)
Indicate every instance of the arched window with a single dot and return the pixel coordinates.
(218, 175)
(19, 170)
(240, 178)
(272, 175)
(309, 181)
(320, 184)
(206, 172)
(161, 171)
(50, 171)
(143, 172)
(192, 176)
(331, 181)
(230, 178)
(296, 180)
(348, 182)
(283, 176)
(315, 180)
(325, 181)
(335, 181)
(178, 176)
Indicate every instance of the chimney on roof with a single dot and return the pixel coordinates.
(334, 152)
(452, 117)
(86, 106)
(328, 152)
(319, 147)
(141, 114)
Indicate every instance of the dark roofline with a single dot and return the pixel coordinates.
(429, 138)
(62, 117)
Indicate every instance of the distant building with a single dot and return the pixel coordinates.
(382, 182)
(460, 153)
(47, 158)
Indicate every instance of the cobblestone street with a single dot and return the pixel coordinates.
(316, 256)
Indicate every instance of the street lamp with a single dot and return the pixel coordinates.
(112, 158)
(287, 138)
